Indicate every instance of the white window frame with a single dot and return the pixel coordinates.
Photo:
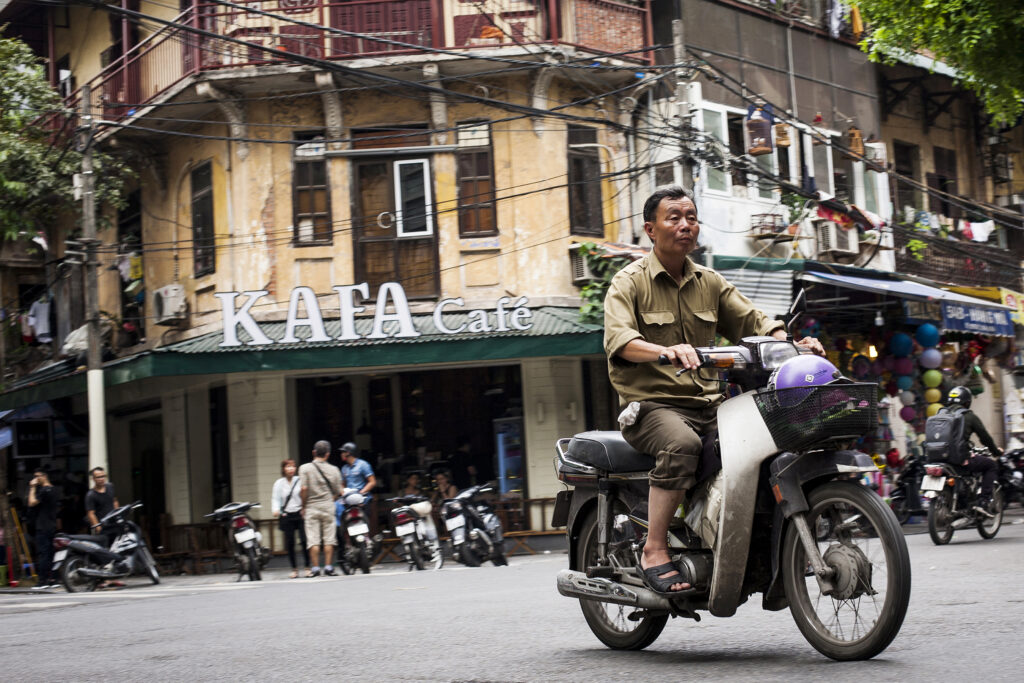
(427, 197)
(753, 191)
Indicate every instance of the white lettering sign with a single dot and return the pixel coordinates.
(392, 317)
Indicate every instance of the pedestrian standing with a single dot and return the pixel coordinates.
(286, 505)
(100, 501)
(320, 486)
(42, 498)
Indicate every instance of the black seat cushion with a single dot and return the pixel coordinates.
(608, 451)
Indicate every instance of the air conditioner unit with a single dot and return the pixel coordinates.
(833, 238)
(169, 305)
(581, 273)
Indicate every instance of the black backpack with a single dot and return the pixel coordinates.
(945, 438)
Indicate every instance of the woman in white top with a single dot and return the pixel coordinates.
(286, 504)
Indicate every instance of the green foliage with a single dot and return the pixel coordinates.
(604, 268)
(37, 163)
(981, 39)
(917, 248)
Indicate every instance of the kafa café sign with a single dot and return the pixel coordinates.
(507, 316)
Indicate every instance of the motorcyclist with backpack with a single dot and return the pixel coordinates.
(957, 409)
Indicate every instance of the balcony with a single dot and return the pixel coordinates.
(361, 29)
(956, 262)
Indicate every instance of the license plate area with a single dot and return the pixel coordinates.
(245, 535)
(932, 483)
(59, 556)
(356, 529)
(405, 529)
(455, 522)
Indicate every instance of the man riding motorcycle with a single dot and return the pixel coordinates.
(977, 464)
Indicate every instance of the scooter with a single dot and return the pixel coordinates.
(414, 527)
(83, 561)
(905, 497)
(952, 493)
(244, 538)
(780, 511)
(474, 528)
(362, 547)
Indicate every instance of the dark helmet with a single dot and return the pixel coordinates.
(349, 447)
(959, 396)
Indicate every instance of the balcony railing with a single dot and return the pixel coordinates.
(361, 28)
(963, 263)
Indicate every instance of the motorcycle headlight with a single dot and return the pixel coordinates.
(774, 354)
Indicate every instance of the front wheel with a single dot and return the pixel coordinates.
(988, 527)
(467, 556)
(860, 540)
(254, 564)
(72, 580)
(940, 517)
(614, 625)
(150, 564)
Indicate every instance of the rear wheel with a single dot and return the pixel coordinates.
(254, 564)
(72, 580)
(363, 560)
(436, 559)
(416, 555)
(859, 539)
(900, 509)
(989, 526)
(612, 624)
(940, 517)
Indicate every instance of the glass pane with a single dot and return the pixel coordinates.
(483, 164)
(416, 266)
(318, 173)
(319, 201)
(713, 124)
(374, 198)
(822, 176)
(412, 197)
(302, 202)
(322, 228)
(870, 192)
(485, 217)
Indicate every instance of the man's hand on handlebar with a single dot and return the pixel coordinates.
(807, 343)
(681, 356)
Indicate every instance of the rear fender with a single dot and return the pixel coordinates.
(584, 499)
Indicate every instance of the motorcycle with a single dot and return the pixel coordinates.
(905, 497)
(83, 561)
(1011, 476)
(362, 547)
(783, 514)
(413, 526)
(244, 538)
(474, 528)
(952, 493)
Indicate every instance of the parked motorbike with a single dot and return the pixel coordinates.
(83, 561)
(784, 515)
(414, 527)
(1011, 476)
(244, 539)
(362, 547)
(905, 497)
(474, 528)
(953, 492)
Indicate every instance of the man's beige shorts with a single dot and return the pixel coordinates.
(320, 527)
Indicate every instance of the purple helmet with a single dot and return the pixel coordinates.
(802, 371)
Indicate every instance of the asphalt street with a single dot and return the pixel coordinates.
(494, 624)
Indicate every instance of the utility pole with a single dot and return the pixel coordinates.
(683, 103)
(94, 363)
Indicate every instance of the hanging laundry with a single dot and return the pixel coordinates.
(39, 320)
(135, 262)
(837, 217)
(26, 328)
(856, 23)
(124, 267)
(981, 231)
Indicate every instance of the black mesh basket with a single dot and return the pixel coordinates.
(806, 417)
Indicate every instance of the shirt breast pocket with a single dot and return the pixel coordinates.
(704, 325)
(660, 328)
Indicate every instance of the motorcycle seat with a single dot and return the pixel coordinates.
(100, 539)
(608, 451)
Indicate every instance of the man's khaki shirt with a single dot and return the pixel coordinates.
(644, 302)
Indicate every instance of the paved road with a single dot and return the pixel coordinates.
(494, 624)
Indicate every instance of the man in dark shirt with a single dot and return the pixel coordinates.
(42, 498)
(100, 500)
(978, 464)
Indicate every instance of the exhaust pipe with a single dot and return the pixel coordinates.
(574, 584)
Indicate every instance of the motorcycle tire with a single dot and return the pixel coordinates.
(611, 623)
(254, 564)
(363, 560)
(150, 564)
(468, 557)
(867, 551)
(416, 555)
(900, 509)
(940, 518)
(989, 526)
(69, 577)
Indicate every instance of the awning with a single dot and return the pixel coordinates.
(1007, 297)
(959, 313)
(6, 437)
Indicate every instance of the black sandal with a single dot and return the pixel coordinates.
(663, 585)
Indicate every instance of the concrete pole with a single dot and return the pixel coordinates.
(94, 366)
